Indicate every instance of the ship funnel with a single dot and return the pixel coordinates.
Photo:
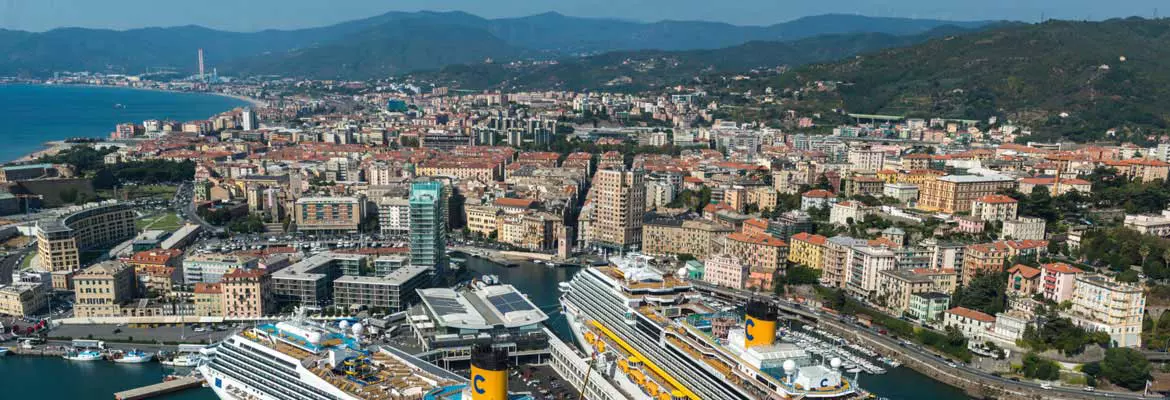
(760, 324)
(489, 373)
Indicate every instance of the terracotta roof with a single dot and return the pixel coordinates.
(208, 288)
(971, 314)
(157, 256)
(757, 239)
(997, 199)
(1026, 271)
(810, 238)
(756, 222)
(818, 193)
(510, 202)
(1062, 268)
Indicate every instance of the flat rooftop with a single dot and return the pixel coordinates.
(481, 308)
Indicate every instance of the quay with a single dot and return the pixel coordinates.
(158, 389)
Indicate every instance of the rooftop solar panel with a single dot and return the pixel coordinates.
(509, 302)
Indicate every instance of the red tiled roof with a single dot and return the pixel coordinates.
(971, 314)
(757, 239)
(1024, 270)
(997, 199)
(810, 238)
(1062, 268)
(818, 193)
(510, 202)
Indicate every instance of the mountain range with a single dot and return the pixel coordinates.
(399, 42)
(1065, 79)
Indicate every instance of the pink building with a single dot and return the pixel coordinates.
(1058, 281)
(725, 270)
(970, 225)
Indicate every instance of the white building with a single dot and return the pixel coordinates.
(848, 211)
(994, 207)
(393, 216)
(866, 159)
(1105, 305)
(975, 325)
(1157, 225)
(865, 263)
(1025, 228)
(904, 192)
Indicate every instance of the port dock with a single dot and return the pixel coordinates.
(159, 389)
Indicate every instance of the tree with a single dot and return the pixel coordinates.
(987, 292)
(1036, 367)
(1125, 367)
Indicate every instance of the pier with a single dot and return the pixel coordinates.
(158, 389)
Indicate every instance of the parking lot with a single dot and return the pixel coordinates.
(127, 333)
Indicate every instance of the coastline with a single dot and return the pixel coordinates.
(55, 146)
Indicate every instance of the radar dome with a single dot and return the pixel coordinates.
(358, 329)
(344, 324)
(682, 271)
(835, 363)
(789, 366)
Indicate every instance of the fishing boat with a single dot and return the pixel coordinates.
(3, 351)
(180, 360)
(82, 355)
(131, 357)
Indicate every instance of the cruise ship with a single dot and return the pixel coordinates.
(654, 337)
(301, 359)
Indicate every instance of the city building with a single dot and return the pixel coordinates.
(102, 289)
(61, 241)
(928, 307)
(807, 249)
(846, 213)
(157, 270)
(1157, 225)
(393, 216)
(21, 299)
(894, 288)
(310, 281)
(764, 255)
(671, 236)
(1023, 280)
(975, 325)
(619, 205)
(956, 193)
(210, 268)
(866, 264)
(447, 322)
(247, 294)
(1009, 327)
(428, 225)
(816, 198)
(991, 257)
(208, 298)
(390, 293)
(329, 214)
(1105, 305)
(994, 207)
(727, 271)
(905, 193)
(1058, 281)
(1024, 228)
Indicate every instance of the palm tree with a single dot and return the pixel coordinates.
(1144, 251)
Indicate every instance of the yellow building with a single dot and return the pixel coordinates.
(1105, 305)
(763, 197)
(698, 238)
(208, 299)
(956, 193)
(482, 219)
(763, 254)
(918, 176)
(60, 242)
(102, 289)
(247, 294)
(23, 299)
(807, 249)
(329, 214)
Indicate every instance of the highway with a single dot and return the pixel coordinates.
(936, 363)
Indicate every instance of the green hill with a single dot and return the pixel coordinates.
(1105, 75)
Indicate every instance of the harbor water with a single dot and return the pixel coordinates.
(55, 378)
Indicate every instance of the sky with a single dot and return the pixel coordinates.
(253, 15)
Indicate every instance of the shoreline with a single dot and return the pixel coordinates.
(53, 147)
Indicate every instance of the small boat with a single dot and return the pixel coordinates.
(82, 355)
(3, 351)
(181, 360)
(131, 357)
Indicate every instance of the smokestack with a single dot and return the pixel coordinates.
(201, 65)
(489, 373)
(760, 324)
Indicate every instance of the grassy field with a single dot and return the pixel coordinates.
(166, 221)
(156, 192)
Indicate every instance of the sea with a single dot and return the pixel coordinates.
(31, 115)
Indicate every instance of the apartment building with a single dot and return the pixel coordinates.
(247, 294)
(894, 288)
(956, 193)
(102, 289)
(1023, 281)
(669, 236)
(727, 271)
(990, 257)
(21, 299)
(61, 241)
(848, 212)
(762, 254)
(157, 270)
(994, 207)
(1058, 281)
(393, 216)
(837, 258)
(866, 264)
(1105, 305)
(975, 325)
(210, 268)
(1025, 228)
(482, 219)
(816, 198)
(329, 214)
(428, 225)
(208, 299)
(928, 307)
(392, 293)
(807, 249)
(619, 205)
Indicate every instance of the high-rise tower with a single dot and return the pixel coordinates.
(201, 76)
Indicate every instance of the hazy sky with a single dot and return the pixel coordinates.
(251, 15)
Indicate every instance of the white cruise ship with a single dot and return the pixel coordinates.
(656, 339)
(304, 360)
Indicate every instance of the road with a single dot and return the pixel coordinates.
(923, 356)
(184, 200)
(12, 262)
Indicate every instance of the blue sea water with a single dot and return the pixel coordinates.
(31, 115)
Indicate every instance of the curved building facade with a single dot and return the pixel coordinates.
(61, 241)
